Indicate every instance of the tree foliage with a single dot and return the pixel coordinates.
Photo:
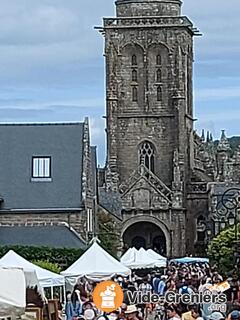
(61, 256)
(108, 234)
(222, 249)
(54, 267)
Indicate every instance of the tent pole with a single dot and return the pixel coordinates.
(51, 292)
(64, 294)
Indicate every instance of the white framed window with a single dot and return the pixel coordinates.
(89, 220)
(41, 167)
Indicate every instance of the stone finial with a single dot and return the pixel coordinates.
(208, 137)
(203, 135)
(223, 144)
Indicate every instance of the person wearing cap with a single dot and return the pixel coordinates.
(132, 312)
(216, 315)
(89, 314)
(234, 315)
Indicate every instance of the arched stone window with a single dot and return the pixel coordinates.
(158, 60)
(159, 93)
(134, 60)
(134, 75)
(134, 94)
(147, 155)
(159, 75)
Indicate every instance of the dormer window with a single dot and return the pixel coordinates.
(41, 167)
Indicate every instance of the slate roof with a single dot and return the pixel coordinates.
(40, 236)
(111, 201)
(19, 143)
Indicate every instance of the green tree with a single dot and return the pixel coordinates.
(54, 267)
(222, 249)
(63, 257)
(108, 234)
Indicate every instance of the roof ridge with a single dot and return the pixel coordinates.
(41, 123)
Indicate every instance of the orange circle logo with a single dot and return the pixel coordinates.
(108, 296)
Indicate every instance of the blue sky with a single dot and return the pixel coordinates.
(52, 65)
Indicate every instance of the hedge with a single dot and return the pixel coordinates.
(54, 267)
(62, 256)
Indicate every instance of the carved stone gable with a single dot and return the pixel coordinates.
(145, 191)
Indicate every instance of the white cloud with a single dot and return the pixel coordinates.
(218, 93)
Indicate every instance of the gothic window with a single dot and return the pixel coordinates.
(134, 60)
(159, 93)
(134, 94)
(147, 155)
(134, 75)
(158, 60)
(159, 75)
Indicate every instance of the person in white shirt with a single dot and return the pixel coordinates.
(145, 287)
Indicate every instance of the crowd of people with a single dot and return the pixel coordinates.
(175, 278)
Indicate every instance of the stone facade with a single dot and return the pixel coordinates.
(156, 162)
(149, 56)
(75, 220)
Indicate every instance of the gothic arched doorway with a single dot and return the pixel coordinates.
(139, 242)
(147, 235)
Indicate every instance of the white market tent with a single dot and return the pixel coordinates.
(141, 259)
(96, 264)
(129, 255)
(162, 260)
(13, 292)
(46, 278)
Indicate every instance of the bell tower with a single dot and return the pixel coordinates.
(149, 111)
(149, 56)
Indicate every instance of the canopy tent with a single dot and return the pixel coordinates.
(13, 292)
(96, 264)
(141, 259)
(157, 256)
(190, 260)
(129, 255)
(46, 278)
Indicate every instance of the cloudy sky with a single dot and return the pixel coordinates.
(52, 67)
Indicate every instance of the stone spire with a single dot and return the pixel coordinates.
(223, 144)
(208, 137)
(203, 135)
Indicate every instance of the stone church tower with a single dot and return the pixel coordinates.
(149, 58)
